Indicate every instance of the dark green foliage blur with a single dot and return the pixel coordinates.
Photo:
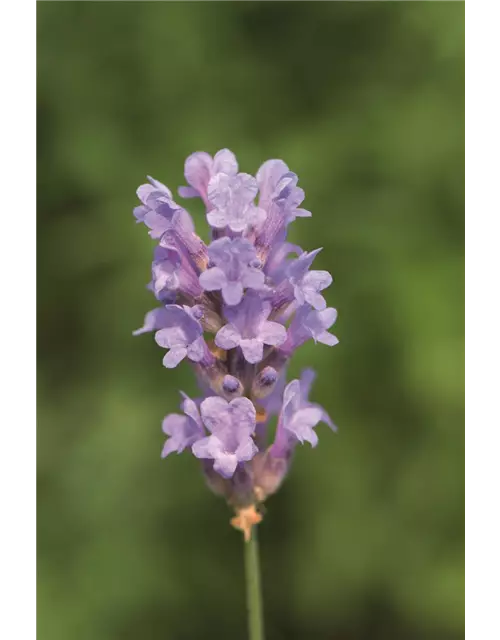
(365, 102)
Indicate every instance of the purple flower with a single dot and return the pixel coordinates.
(317, 324)
(181, 234)
(200, 167)
(277, 262)
(298, 416)
(165, 269)
(182, 334)
(309, 323)
(307, 284)
(249, 328)
(268, 177)
(167, 296)
(289, 197)
(169, 222)
(231, 198)
(157, 209)
(233, 270)
(307, 378)
(171, 273)
(231, 425)
(282, 208)
(183, 430)
(154, 195)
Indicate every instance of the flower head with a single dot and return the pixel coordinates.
(237, 310)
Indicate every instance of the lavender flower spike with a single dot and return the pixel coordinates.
(237, 310)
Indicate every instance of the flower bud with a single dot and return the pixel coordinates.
(264, 383)
(232, 386)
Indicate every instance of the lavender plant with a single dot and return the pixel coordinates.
(237, 310)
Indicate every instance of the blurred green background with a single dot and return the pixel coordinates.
(365, 102)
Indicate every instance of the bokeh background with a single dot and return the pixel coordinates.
(365, 102)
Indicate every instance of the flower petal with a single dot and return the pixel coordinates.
(217, 218)
(272, 333)
(190, 408)
(253, 278)
(243, 414)
(197, 171)
(313, 298)
(232, 292)
(226, 464)
(160, 186)
(144, 192)
(214, 412)
(206, 448)
(173, 423)
(256, 217)
(302, 423)
(188, 192)
(174, 356)
(246, 450)
(140, 212)
(228, 337)
(302, 213)
(225, 162)
(317, 280)
(213, 279)
(307, 377)
(268, 177)
(153, 320)
(196, 350)
(169, 447)
(291, 398)
(253, 350)
(327, 338)
(328, 317)
(170, 337)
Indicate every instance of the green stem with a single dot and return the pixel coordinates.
(254, 595)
